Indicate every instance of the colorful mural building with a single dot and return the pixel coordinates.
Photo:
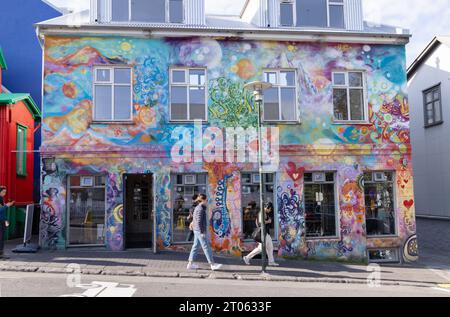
(130, 87)
(19, 119)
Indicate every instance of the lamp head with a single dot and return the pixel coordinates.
(257, 88)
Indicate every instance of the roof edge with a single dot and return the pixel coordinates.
(28, 100)
(429, 49)
(2, 61)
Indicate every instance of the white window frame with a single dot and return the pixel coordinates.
(109, 9)
(111, 83)
(337, 235)
(188, 85)
(334, 3)
(277, 85)
(294, 14)
(294, 3)
(365, 119)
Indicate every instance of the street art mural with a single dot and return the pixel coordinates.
(81, 145)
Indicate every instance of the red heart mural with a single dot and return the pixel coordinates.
(295, 173)
(408, 203)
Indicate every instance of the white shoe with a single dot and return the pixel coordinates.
(192, 266)
(273, 264)
(216, 267)
(246, 260)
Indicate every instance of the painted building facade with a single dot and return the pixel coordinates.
(342, 190)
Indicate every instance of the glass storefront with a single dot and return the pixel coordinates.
(185, 186)
(251, 202)
(379, 199)
(87, 208)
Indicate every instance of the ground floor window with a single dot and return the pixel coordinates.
(320, 204)
(379, 199)
(185, 186)
(87, 208)
(250, 192)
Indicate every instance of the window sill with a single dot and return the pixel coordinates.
(323, 238)
(433, 125)
(188, 121)
(391, 236)
(281, 122)
(113, 122)
(339, 122)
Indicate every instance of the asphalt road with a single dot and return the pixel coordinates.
(55, 285)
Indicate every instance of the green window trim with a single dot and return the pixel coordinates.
(21, 148)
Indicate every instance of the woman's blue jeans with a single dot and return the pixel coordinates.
(200, 240)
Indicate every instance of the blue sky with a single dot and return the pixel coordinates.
(425, 19)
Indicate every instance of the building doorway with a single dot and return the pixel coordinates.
(139, 214)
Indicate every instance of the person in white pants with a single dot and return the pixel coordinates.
(269, 244)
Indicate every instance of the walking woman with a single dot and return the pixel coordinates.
(3, 221)
(269, 210)
(199, 228)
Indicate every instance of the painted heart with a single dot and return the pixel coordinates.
(408, 203)
(403, 186)
(406, 181)
(295, 173)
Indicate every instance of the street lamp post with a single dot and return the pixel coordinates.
(257, 88)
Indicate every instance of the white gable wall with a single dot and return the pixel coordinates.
(431, 146)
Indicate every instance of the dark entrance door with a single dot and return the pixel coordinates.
(138, 211)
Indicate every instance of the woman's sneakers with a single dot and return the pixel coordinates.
(216, 267)
(192, 266)
(273, 264)
(246, 260)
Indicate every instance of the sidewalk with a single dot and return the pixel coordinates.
(173, 264)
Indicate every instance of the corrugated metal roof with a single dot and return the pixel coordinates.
(11, 99)
(214, 23)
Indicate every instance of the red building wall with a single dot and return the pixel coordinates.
(20, 188)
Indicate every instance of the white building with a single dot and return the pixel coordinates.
(429, 97)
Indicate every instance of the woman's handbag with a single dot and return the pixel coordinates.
(256, 235)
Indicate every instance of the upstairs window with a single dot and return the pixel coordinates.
(320, 13)
(287, 13)
(154, 11)
(112, 94)
(21, 148)
(280, 101)
(348, 96)
(432, 106)
(188, 94)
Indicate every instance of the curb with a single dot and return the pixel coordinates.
(204, 275)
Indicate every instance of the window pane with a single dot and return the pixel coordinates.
(437, 111)
(197, 103)
(288, 104)
(122, 102)
(103, 102)
(429, 97)
(339, 79)
(271, 77)
(286, 14)
(287, 78)
(436, 94)
(197, 77)
(355, 79)
(122, 76)
(312, 13)
(179, 103)
(380, 215)
(340, 104)
(120, 10)
(337, 16)
(320, 210)
(103, 75)
(271, 105)
(176, 11)
(148, 11)
(356, 104)
(87, 216)
(179, 76)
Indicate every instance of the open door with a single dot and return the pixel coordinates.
(139, 213)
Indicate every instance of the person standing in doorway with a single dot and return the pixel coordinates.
(269, 210)
(3, 221)
(200, 239)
